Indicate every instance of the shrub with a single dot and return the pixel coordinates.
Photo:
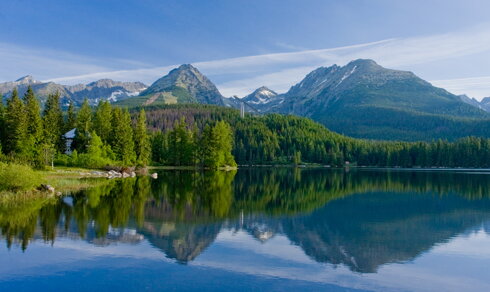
(92, 161)
(15, 177)
(62, 160)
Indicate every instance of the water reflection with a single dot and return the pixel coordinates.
(360, 219)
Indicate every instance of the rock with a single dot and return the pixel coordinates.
(133, 174)
(125, 175)
(154, 175)
(47, 188)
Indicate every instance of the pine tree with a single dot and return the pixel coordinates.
(182, 145)
(53, 122)
(216, 146)
(159, 147)
(2, 124)
(102, 121)
(225, 143)
(208, 151)
(141, 140)
(71, 119)
(297, 158)
(15, 125)
(84, 127)
(34, 128)
(122, 137)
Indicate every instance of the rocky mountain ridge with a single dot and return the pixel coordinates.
(103, 89)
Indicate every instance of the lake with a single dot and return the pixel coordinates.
(262, 229)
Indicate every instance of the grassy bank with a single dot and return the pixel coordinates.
(20, 183)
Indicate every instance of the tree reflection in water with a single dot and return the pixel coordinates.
(361, 219)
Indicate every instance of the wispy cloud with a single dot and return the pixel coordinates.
(239, 76)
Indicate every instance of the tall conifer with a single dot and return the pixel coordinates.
(141, 140)
(122, 137)
(53, 122)
(15, 125)
(84, 127)
(102, 121)
(33, 149)
(71, 119)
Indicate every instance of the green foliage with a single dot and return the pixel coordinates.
(102, 121)
(215, 146)
(97, 156)
(181, 145)
(385, 123)
(3, 131)
(184, 146)
(275, 139)
(71, 119)
(297, 158)
(16, 126)
(14, 177)
(141, 140)
(53, 123)
(32, 145)
(83, 126)
(122, 137)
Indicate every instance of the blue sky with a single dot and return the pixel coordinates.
(242, 45)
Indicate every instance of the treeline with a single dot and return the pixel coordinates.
(276, 139)
(205, 136)
(106, 136)
(384, 123)
(184, 146)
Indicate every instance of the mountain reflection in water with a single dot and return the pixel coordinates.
(361, 219)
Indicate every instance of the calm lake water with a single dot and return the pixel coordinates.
(256, 229)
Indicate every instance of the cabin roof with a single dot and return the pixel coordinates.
(70, 134)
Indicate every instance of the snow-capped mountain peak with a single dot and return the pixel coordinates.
(261, 95)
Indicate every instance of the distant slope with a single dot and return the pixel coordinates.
(104, 89)
(262, 95)
(484, 104)
(182, 85)
(363, 99)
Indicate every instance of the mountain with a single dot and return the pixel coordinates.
(102, 89)
(363, 99)
(184, 84)
(484, 104)
(262, 95)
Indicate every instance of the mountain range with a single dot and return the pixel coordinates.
(103, 89)
(484, 104)
(361, 99)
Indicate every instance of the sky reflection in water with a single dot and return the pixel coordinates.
(257, 229)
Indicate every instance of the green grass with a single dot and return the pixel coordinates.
(171, 95)
(22, 182)
(15, 177)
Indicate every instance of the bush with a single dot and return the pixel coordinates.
(15, 177)
(92, 161)
(62, 160)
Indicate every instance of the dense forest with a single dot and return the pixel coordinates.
(286, 139)
(104, 136)
(203, 136)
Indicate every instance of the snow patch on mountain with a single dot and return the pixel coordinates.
(347, 75)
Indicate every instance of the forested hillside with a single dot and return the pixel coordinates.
(276, 138)
(202, 136)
